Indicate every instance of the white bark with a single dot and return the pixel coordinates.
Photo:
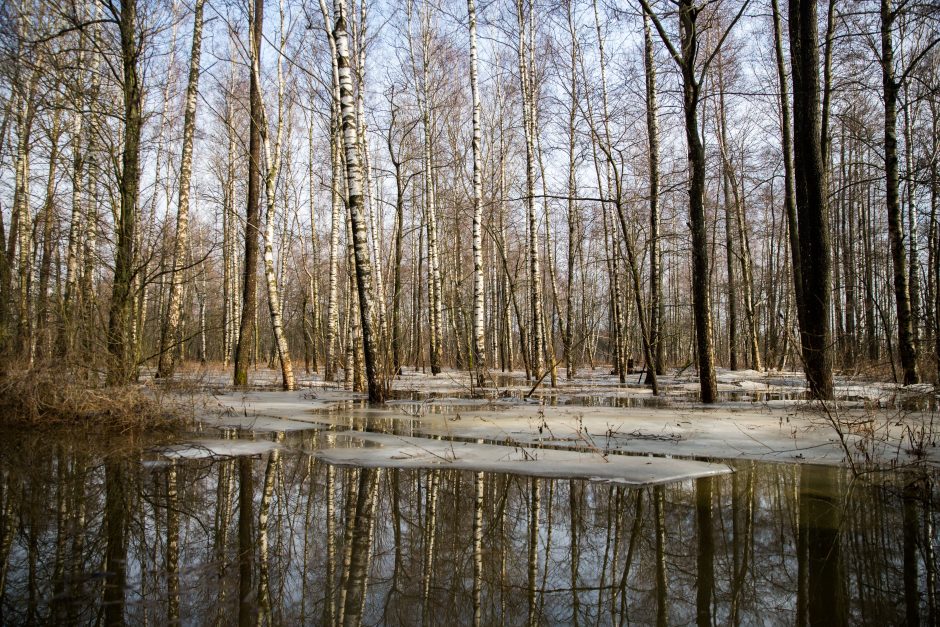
(272, 157)
(355, 204)
(479, 348)
(528, 122)
(168, 337)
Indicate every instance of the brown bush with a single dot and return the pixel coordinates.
(52, 397)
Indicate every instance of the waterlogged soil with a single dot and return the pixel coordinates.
(594, 502)
(759, 416)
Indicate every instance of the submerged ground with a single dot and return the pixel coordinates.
(590, 503)
(760, 416)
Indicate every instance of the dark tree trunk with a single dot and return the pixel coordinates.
(701, 301)
(652, 131)
(246, 327)
(789, 198)
(811, 199)
(907, 346)
(122, 368)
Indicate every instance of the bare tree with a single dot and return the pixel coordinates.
(811, 199)
(174, 312)
(354, 203)
(692, 72)
(246, 328)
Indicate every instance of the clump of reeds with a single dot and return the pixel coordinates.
(48, 396)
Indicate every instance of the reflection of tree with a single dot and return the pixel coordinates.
(264, 600)
(575, 504)
(116, 551)
(104, 540)
(662, 610)
(223, 515)
(705, 582)
(172, 546)
(360, 532)
(820, 519)
(246, 549)
(533, 562)
(477, 546)
(635, 533)
(912, 493)
(742, 536)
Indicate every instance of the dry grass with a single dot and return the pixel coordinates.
(48, 397)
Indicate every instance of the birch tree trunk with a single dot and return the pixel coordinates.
(273, 159)
(314, 255)
(332, 308)
(479, 349)
(73, 254)
(166, 361)
(573, 244)
(528, 123)
(355, 203)
(25, 113)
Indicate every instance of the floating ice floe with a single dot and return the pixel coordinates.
(379, 450)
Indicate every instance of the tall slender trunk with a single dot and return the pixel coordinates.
(727, 181)
(272, 156)
(479, 349)
(691, 94)
(789, 191)
(230, 229)
(122, 368)
(21, 223)
(573, 244)
(422, 78)
(396, 330)
(247, 327)
(528, 123)
(652, 132)
(935, 230)
(47, 220)
(315, 321)
(811, 199)
(166, 361)
(73, 254)
(354, 202)
(907, 345)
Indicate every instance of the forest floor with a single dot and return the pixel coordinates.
(581, 427)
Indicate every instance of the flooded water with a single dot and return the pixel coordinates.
(108, 530)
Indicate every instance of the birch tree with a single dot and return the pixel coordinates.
(354, 203)
(272, 157)
(168, 338)
(479, 349)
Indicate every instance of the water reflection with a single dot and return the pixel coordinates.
(89, 536)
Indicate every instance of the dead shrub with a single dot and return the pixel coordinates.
(51, 397)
